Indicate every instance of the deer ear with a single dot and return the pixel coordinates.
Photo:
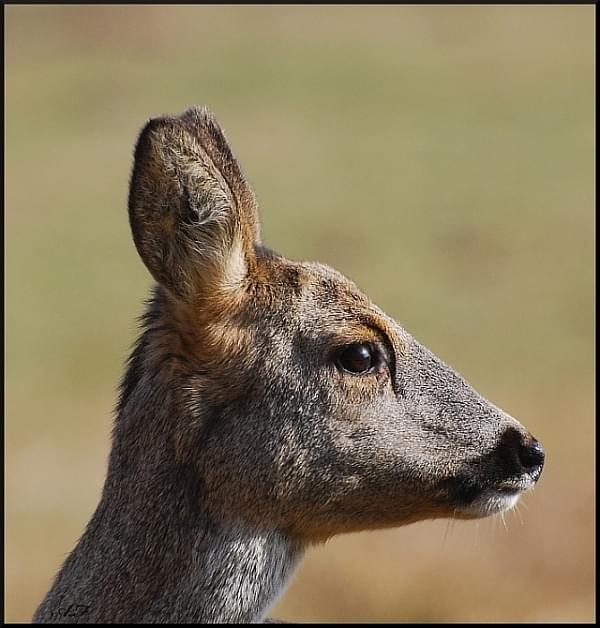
(193, 216)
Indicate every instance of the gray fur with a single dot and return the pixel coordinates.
(239, 437)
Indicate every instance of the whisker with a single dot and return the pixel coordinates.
(517, 513)
(448, 522)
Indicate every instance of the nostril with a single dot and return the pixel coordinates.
(532, 457)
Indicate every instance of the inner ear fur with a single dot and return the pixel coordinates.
(193, 216)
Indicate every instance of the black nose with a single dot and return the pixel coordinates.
(531, 456)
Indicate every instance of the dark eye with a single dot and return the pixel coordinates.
(357, 358)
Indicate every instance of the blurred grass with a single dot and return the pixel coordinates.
(442, 157)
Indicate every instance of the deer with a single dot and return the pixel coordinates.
(266, 406)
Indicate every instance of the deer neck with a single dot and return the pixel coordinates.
(157, 549)
(251, 567)
(212, 569)
(157, 555)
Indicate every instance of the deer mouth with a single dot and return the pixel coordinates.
(474, 500)
(488, 504)
(494, 483)
(516, 487)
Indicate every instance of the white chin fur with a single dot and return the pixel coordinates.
(491, 503)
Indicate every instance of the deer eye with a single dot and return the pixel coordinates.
(356, 358)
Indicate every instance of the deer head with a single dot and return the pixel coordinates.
(302, 405)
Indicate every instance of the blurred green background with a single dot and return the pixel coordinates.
(442, 157)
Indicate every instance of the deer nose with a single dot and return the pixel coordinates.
(531, 456)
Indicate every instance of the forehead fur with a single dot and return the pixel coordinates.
(315, 298)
